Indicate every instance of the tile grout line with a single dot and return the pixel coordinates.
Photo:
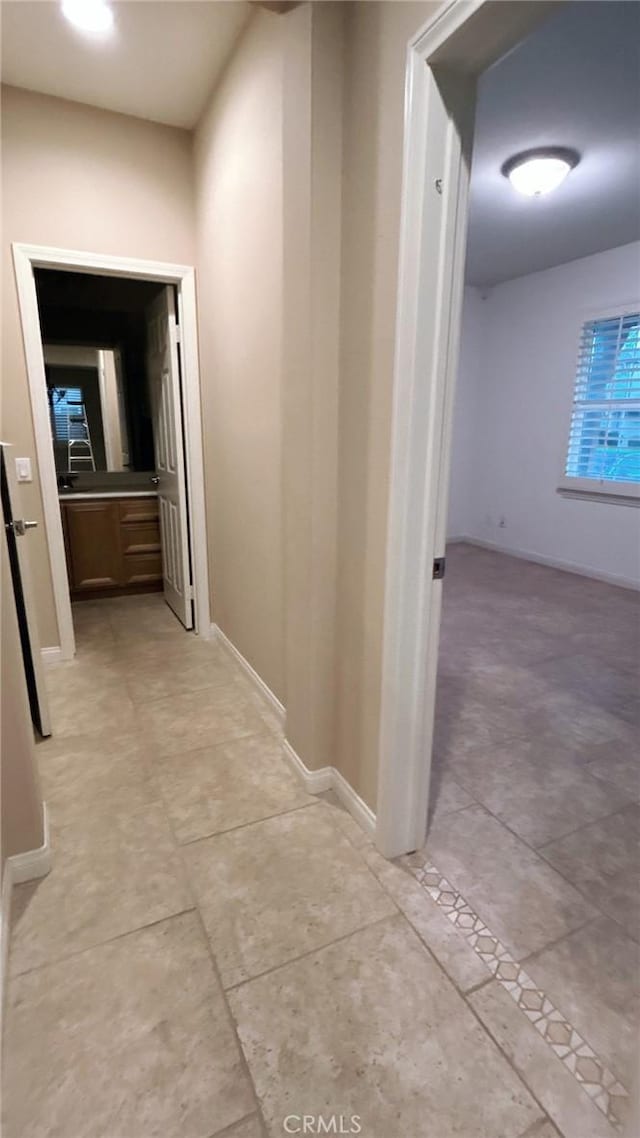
(396, 906)
(283, 964)
(245, 825)
(589, 1071)
(360, 849)
(223, 742)
(232, 1023)
(539, 850)
(153, 778)
(560, 837)
(98, 944)
(456, 809)
(228, 681)
(534, 1128)
(592, 822)
(463, 995)
(520, 1075)
(311, 951)
(536, 952)
(211, 746)
(193, 908)
(580, 890)
(214, 964)
(229, 1131)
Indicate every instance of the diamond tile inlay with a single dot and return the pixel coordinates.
(507, 971)
(588, 1070)
(531, 1000)
(559, 1033)
(485, 944)
(567, 1044)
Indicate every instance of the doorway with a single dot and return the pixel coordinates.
(444, 62)
(171, 432)
(111, 350)
(444, 59)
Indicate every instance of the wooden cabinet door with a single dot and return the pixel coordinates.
(93, 535)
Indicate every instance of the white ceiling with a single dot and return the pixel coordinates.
(574, 82)
(160, 63)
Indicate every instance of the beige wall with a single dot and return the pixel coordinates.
(238, 180)
(314, 58)
(377, 35)
(297, 222)
(320, 397)
(81, 178)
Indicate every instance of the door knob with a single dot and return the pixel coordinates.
(154, 479)
(20, 527)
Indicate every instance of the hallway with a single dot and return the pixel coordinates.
(215, 952)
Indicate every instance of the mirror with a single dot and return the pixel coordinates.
(89, 427)
(94, 338)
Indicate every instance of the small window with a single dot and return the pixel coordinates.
(604, 440)
(63, 404)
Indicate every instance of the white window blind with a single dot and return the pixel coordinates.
(65, 404)
(604, 439)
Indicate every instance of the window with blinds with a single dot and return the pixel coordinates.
(604, 439)
(63, 406)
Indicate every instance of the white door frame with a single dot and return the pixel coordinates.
(26, 258)
(456, 44)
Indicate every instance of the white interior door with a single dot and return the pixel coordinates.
(17, 537)
(163, 371)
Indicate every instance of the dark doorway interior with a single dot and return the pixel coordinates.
(104, 312)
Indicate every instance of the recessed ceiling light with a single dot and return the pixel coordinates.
(93, 16)
(538, 172)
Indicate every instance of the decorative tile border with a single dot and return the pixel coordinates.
(567, 1044)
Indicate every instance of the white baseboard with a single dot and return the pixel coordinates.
(256, 680)
(32, 864)
(328, 778)
(50, 655)
(26, 866)
(315, 782)
(352, 802)
(552, 562)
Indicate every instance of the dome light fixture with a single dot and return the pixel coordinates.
(92, 16)
(538, 172)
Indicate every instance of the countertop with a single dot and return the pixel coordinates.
(75, 495)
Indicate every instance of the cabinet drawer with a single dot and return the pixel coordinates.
(140, 537)
(141, 569)
(138, 510)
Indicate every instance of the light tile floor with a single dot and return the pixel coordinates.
(214, 950)
(535, 815)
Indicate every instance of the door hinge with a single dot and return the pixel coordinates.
(439, 566)
(190, 593)
(178, 334)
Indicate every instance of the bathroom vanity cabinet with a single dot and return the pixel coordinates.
(112, 545)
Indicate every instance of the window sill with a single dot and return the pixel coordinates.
(612, 496)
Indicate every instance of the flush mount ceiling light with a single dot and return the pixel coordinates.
(538, 172)
(92, 16)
